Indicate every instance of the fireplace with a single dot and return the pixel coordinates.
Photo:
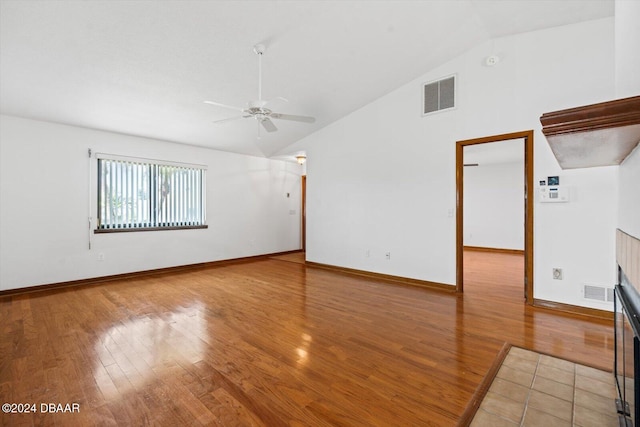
(627, 357)
(627, 331)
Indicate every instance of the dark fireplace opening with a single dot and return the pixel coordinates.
(627, 352)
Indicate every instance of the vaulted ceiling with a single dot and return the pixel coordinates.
(145, 67)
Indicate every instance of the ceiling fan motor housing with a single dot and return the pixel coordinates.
(259, 113)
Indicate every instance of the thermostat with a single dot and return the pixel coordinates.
(553, 194)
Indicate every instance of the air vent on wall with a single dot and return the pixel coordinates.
(598, 293)
(439, 95)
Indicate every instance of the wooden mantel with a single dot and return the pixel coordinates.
(594, 135)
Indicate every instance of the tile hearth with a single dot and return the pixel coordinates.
(532, 389)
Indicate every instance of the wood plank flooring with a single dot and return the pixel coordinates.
(274, 343)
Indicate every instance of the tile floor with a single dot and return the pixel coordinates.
(532, 390)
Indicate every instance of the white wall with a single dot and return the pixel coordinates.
(44, 209)
(494, 205)
(628, 84)
(383, 178)
(627, 42)
(578, 236)
(629, 194)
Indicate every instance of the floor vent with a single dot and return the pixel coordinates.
(439, 95)
(598, 293)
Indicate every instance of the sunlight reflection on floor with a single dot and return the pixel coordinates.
(136, 351)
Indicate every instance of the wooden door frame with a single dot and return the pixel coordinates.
(303, 210)
(527, 136)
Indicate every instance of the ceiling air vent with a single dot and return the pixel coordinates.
(439, 95)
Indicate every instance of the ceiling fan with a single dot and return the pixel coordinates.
(257, 109)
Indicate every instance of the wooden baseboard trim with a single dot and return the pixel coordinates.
(573, 309)
(386, 277)
(138, 274)
(480, 393)
(496, 250)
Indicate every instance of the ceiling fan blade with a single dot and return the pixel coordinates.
(268, 125)
(230, 119)
(305, 119)
(217, 104)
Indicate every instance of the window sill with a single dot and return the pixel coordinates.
(128, 230)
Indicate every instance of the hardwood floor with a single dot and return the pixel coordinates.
(274, 343)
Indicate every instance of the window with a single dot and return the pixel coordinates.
(138, 194)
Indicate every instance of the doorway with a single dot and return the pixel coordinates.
(303, 212)
(527, 138)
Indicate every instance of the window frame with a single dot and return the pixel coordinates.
(155, 166)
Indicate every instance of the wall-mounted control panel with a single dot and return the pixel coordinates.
(552, 192)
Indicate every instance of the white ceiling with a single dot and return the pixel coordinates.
(144, 67)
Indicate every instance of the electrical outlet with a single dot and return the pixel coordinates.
(557, 273)
(367, 253)
(101, 256)
(388, 255)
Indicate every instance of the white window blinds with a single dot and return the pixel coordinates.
(147, 194)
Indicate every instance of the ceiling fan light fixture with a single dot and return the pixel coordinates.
(301, 158)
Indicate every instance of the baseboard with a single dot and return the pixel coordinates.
(573, 309)
(480, 393)
(386, 277)
(137, 274)
(495, 250)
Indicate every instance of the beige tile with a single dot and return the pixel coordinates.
(550, 405)
(606, 389)
(565, 365)
(509, 389)
(503, 407)
(584, 417)
(515, 376)
(595, 402)
(553, 388)
(520, 364)
(535, 418)
(555, 374)
(538, 390)
(597, 374)
(486, 419)
(524, 354)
